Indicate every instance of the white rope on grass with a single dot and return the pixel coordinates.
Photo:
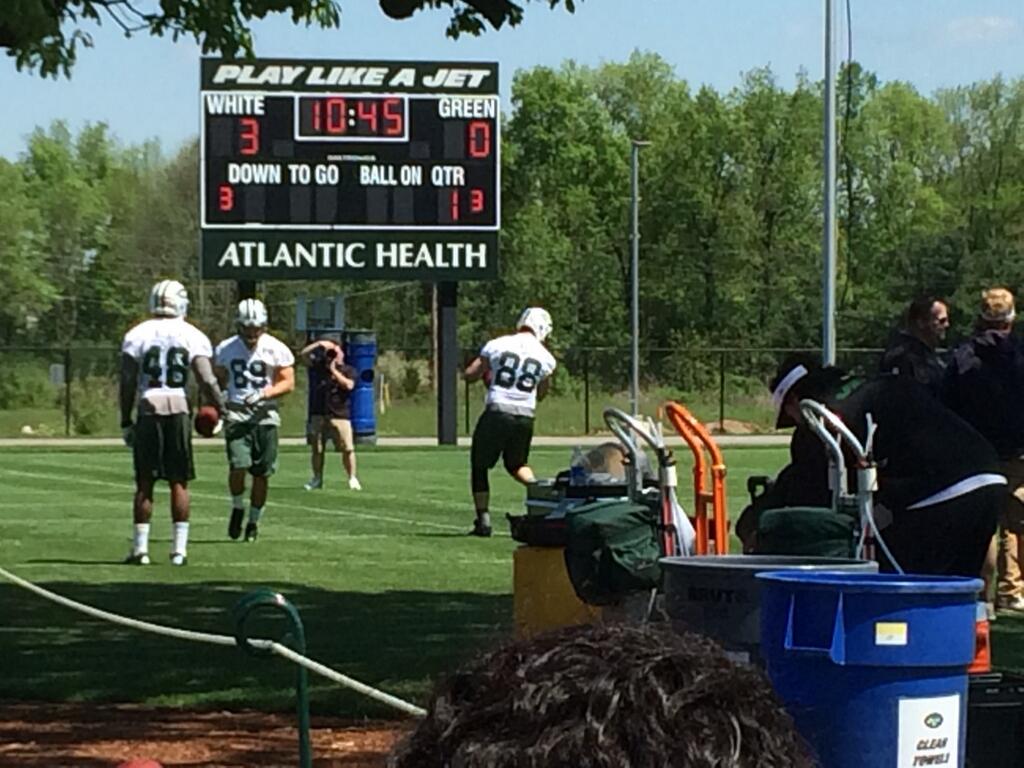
(224, 640)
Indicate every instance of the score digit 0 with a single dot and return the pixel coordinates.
(478, 138)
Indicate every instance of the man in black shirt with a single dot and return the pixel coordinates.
(330, 388)
(984, 384)
(937, 476)
(911, 351)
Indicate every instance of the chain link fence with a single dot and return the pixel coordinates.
(72, 391)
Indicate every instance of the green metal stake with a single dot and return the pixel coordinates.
(269, 600)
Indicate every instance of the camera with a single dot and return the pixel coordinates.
(322, 358)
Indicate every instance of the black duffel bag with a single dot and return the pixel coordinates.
(811, 531)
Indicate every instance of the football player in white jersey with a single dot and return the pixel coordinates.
(156, 357)
(256, 369)
(516, 368)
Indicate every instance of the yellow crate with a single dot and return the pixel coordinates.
(543, 597)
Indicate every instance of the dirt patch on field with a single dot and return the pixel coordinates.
(733, 427)
(87, 736)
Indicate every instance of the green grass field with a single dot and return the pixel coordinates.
(390, 589)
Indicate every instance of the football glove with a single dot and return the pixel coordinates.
(128, 435)
(254, 398)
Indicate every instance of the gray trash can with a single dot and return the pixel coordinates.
(718, 596)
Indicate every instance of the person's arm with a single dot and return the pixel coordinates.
(890, 360)
(209, 388)
(746, 528)
(802, 482)
(129, 383)
(222, 376)
(284, 382)
(220, 370)
(477, 369)
(543, 388)
(341, 379)
(949, 393)
(307, 351)
(547, 373)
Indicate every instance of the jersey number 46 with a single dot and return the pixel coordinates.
(171, 371)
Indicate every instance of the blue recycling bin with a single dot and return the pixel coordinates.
(872, 667)
(361, 353)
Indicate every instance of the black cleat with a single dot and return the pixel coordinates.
(137, 558)
(479, 529)
(251, 532)
(235, 524)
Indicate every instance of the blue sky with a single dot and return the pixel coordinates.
(148, 87)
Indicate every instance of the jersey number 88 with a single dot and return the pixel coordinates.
(510, 373)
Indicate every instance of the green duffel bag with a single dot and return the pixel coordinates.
(612, 549)
(816, 531)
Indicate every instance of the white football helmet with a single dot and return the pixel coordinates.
(168, 299)
(537, 320)
(251, 314)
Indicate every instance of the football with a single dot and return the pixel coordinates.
(207, 419)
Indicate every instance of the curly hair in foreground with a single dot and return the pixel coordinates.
(604, 696)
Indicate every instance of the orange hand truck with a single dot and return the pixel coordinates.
(708, 471)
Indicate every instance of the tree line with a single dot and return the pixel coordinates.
(45, 36)
(930, 200)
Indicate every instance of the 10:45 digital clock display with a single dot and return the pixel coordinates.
(341, 118)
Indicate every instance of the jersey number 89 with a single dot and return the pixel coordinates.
(510, 373)
(252, 374)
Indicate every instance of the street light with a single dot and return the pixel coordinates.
(829, 255)
(634, 386)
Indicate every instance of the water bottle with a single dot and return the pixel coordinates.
(577, 470)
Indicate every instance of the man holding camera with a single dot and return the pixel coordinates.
(330, 388)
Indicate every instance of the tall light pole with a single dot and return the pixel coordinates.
(828, 281)
(634, 383)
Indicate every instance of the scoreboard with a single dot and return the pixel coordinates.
(314, 169)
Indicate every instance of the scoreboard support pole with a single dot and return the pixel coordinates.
(246, 289)
(448, 364)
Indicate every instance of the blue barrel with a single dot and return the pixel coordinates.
(872, 667)
(361, 354)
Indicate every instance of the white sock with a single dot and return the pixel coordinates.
(485, 519)
(180, 539)
(238, 502)
(255, 513)
(140, 539)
